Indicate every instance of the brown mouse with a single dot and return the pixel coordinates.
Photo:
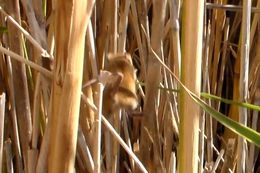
(121, 92)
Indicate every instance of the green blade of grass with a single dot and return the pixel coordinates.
(246, 132)
(227, 101)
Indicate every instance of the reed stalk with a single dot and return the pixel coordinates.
(191, 76)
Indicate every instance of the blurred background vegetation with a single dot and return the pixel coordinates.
(51, 48)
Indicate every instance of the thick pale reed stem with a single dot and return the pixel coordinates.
(71, 22)
(191, 77)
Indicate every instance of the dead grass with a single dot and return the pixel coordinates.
(50, 123)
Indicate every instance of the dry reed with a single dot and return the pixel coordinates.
(53, 56)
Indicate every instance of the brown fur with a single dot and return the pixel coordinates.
(120, 93)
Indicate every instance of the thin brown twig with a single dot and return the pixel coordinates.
(33, 65)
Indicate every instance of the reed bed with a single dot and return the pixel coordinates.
(197, 86)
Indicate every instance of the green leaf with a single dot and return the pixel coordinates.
(246, 132)
(227, 101)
